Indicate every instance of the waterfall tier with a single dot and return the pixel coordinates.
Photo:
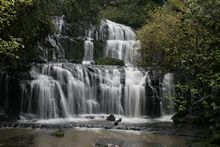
(64, 90)
(110, 30)
(121, 41)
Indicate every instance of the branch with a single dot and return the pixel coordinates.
(202, 99)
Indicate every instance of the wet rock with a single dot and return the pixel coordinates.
(116, 123)
(119, 120)
(59, 133)
(111, 118)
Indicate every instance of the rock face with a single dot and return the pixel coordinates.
(111, 118)
(10, 95)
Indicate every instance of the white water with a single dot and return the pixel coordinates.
(88, 52)
(63, 90)
(115, 31)
(135, 91)
(101, 118)
(121, 41)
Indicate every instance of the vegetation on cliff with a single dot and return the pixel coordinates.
(26, 23)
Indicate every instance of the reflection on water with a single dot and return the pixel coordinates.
(80, 137)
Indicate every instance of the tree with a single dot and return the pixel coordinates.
(129, 12)
(183, 37)
(9, 45)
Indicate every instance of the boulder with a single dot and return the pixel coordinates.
(119, 120)
(111, 118)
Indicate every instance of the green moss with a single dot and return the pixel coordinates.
(98, 49)
(59, 133)
(132, 13)
(109, 61)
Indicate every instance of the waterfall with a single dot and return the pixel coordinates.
(121, 41)
(88, 47)
(88, 52)
(111, 91)
(63, 90)
(135, 91)
(115, 31)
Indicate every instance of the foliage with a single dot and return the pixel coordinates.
(183, 37)
(79, 11)
(10, 45)
(129, 12)
(81, 14)
(9, 51)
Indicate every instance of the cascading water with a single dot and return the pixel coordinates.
(121, 41)
(88, 52)
(135, 91)
(63, 90)
(66, 89)
(88, 48)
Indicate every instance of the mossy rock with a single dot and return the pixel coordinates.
(59, 133)
(110, 61)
